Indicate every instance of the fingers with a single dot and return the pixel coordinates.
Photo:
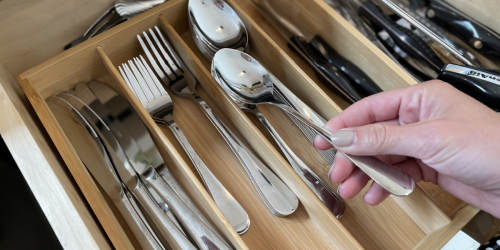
(404, 105)
(353, 179)
(414, 140)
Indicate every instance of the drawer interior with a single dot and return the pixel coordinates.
(397, 223)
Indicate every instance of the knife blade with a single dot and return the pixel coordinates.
(91, 151)
(120, 109)
(133, 180)
(204, 235)
(131, 149)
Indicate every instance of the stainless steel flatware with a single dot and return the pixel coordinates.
(161, 108)
(114, 177)
(239, 73)
(121, 11)
(332, 201)
(277, 196)
(129, 145)
(215, 25)
(204, 16)
(203, 235)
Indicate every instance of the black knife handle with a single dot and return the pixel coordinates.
(328, 73)
(405, 39)
(482, 39)
(359, 79)
(481, 84)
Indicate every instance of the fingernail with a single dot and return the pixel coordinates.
(343, 137)
(330, 171)
(338, 189)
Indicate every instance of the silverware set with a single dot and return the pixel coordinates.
(173, 74)
(179, 222)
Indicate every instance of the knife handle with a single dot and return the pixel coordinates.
(200, 232)
(481, 84)
(327, 72)
(229, 206)
(136, 221)
(481, 38)
(404, 38)
(280, 200)
(331, 200)
(174, 236)
(359, 79)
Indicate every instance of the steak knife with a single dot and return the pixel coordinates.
(330, 67)
(478, 36)
(479, 83)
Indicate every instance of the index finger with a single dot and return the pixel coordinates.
(380, 107)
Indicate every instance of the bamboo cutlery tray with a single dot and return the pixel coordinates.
(398, 223)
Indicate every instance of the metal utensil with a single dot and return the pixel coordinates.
(204, 236)
(332, 69)
(233, 211)
(479, 83)
(121, 11)
(82, 92)
(246, 77)
(108, 173)
(277, 196)
(215, 25)
(332, 201)
(120, 109)
(204, 16)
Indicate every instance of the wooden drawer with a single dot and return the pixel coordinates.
(398, 223)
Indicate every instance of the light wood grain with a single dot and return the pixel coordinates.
(396, 224)
(82, 177)
(43, 170)
(440, 237)
(32, 31)
(330, 227)
(484, 11)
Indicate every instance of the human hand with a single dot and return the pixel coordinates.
(430, 130)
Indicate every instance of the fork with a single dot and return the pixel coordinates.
(280, 200)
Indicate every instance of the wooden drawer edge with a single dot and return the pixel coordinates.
(61, 201)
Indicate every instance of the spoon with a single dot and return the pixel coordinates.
(215, 25)
(121, 11)
(238, 73)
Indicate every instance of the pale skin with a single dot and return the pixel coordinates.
(430, 130)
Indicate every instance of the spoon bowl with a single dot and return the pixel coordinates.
(215, 25)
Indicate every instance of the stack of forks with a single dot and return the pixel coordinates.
(145, 84)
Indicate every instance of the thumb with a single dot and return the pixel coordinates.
(383, 139)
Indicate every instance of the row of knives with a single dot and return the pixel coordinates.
(428, 39)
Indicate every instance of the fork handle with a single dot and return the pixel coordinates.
(277, 196)
(230, 207)
(331, 200)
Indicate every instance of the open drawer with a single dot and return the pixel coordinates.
(398, 223)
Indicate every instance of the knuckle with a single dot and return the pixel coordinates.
(376, 137)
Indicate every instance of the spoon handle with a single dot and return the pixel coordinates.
(276, 195)
(389, 177)
(332, 201)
